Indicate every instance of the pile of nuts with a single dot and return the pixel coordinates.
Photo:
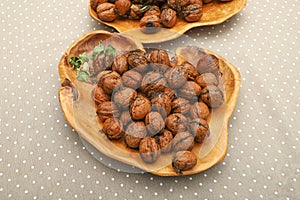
(157, 105)
(151, 13)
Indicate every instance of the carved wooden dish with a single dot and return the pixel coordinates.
(213, 13)
(80, 112)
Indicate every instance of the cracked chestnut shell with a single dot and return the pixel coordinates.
(154, 123)
(176, 122)
(183, 141)
(107, 110)
(134, 133)
(164, 140)
(184, 160)
(149, 150)
(200, 129)
(199, 110)
(139, 107)
(113, 128)
(109, 80)
(212, 96)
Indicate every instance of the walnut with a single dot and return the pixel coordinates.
(150, 24)
(113, 128)
(106, 12)
(100, 63)
(184, 160)
(208, 63)
(176, 77)
(139, 107)
(99, 95)
(207, 1)
(168, 17)
(153, 10)
(132, 79)
(137, 60)
(199, 110)
(190, 70)
(107, 110)
(190, 90)
(134, 133)
(165, 141)
(137, 10)
(149, 150)
(181, 105)
(153, 83)
(176, 123)
(122, 7)
(154, 123)
(95, 3)
(159, 60)
(162, 104)
(207, 79)
(120, 64)
(123, 96)
(212, 96)
(109, 80)
(125, 118)
(183, 141)
(170, 93)
(178, 4)
(192, 13)
(200, 129)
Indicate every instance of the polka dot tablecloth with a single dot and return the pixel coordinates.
(41, 157)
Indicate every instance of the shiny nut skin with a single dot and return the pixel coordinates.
(123, 96)
(176, 77)
(183, 141)
(212, 96)
(150, 24)
(113, 128)
(154, 123)
(149, 150)
(181, 105)
(207, 79)
(190, 90)
(132, 79)
(137, 60)
(168, 17)
(107, 110)
(199, 110)
(106, 12)
(200, 129)
(162, 104)
(122, 7)
(95, 3)
(176, 122)
(184, 160)
(165, 141)
(120, 64)
(99, 95)
(190, 70)
(153, 83)
(139, 107)
(192, 13)
(134, 133)
(109, 80)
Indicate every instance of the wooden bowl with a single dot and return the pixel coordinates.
(213, 13)
(80, 112)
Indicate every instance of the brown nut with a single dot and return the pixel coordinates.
(190, 70)
(199, 110)
(212, 96)
(154, 123)
(190, 90)
(153, 10)
(132, 79)
(178, 4)
(107, 110)
(176, 77)
(153, 83)
(137, 60)
(192, 13)
(164, 140)
(95, 3)
(113, 129)
(106, 12)
(181, 105)
(170, 93)
(208, 63)
(122, 7)
(99, 95)
(168, 17)
(150, 24)
(139, 107)
(134, 133)
(123, 96)
(176, 123)
(159, 60)
(137, 10)
(149, 150)
(183, 141)
(162, 104)
(200, 129)
(100, 63)
(207, 1)
(120, 64)
(184, 160)
(109, 80)
(125, 118)
(207, 79)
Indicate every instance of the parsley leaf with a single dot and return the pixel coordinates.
(110, 51)
(75, 62)
(83, 57)
(98, 49)
(82, 76)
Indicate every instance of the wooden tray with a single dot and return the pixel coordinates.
(213, 13)
(79, 111)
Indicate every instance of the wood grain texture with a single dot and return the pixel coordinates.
(213, 13)
(81, 114)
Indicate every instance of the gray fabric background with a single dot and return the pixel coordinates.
(42, 158)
